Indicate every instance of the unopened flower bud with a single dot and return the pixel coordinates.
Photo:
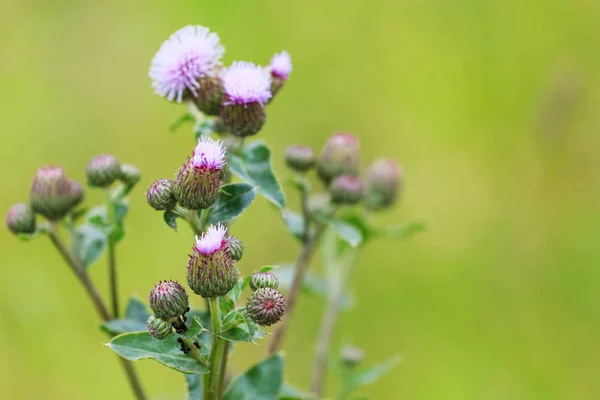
(198, 182)
(383, 183)
(351, 356)
(20, 219)
(211, 271)
(319, 203)
(247, 90)
(265, 306)
(210, 93)
(168, 300)
(160, 194)
(300, 158)
(158, 327)
(53, 195)
(280, 68)
(130, 175)
(103, 170)
(236, 248)
(263, 280)
(346, 189)
(340, 156)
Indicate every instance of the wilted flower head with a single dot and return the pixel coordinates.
(246, 83)
(211, 271)
(281, 65)
(53, 195)
(265, 306)
(209, 154)
(198, 182)
(189, 54)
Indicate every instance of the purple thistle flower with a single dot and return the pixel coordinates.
(189, 54)
(246, 83)
(281, 65)
(212, 240)
(209, 154)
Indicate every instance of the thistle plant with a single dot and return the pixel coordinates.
(209, 192)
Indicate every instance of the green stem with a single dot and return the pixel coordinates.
(112, 259)
(83, 277)
(215, 351)
(223, 369)
(194, 352)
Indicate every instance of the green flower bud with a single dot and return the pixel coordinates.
(53, 195)
(300, 158)
(236, 248)
(20, 219)
(340, 156)
(198, 182)
(351, 356)
(211, 271)
(265, 306)
(130, 175)
(160, 195)
(243, 120)
(319, 203)
(210, 94)
(346, 189)
(103, 170)
(168, 300)
(383, 183)
(158, 327)
(260, 280)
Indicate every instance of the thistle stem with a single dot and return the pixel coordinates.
(211, 392)
(303, 261)
(112, 259)
(194, 352)
(223, 369)
(94, 295)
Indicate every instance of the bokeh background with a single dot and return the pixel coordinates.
(491, 106)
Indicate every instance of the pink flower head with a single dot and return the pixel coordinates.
(246, 83)
(212, 240)
(190, 53)
(281, 65)
(209, 154)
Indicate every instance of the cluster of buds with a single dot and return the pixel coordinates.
(338, 167)
(266, 304)
(188, 67)
(169, 303)
(104, 170)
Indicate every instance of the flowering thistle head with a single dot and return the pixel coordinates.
(20, 219)
(346, 189)
(53, 195)
(300, 158)
(103, 170)
(168, 300)
(383, 183)
(340, 156)
(158, 327)
(247, 90)
(160, 194)
(211, 271)
(265, 306)
(130, 175)
(281, 66)
(236, 248)
(190, 54)
(199, 179)
(263, 280)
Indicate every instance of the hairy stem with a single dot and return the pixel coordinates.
(194, 352)
(216, 350)
(83, 277)
(112, 260)
(302, 264)
(223, 369)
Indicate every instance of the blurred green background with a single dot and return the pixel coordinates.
(491, 107)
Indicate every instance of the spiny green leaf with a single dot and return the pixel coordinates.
(253, 166)
(195, 329)
(141, 345)
(232, 201)
(170, 219)
(262, 381)
(118, 326)
(136, 310)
